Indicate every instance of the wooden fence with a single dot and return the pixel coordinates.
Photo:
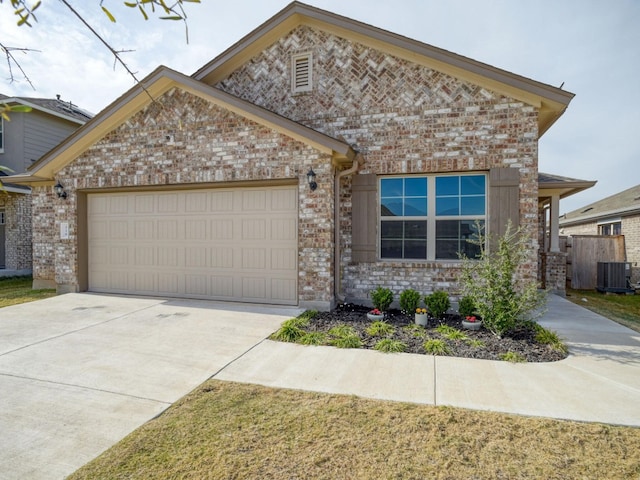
(583, 254)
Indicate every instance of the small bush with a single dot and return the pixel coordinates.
(388, 345)
(435, 346)
(438, 303)
(308, 314)
(466, 307)
(409, 301)
(380, 328)
(348, 341)
(451, 333)
(416, 330)
(548, 337)
(501, 298)
(314, 338)
(512, 357)
(475, 343)
(381, 298)
(291, 330)
(342, 330)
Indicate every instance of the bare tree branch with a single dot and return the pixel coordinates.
(12, 60)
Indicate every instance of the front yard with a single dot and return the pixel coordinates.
(624, 309)
(15, 290)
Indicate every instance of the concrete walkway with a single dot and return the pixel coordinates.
(598, 382)
(78, 372)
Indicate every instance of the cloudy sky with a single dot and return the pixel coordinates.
(591, 46)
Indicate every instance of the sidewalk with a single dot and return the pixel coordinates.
(598, 382)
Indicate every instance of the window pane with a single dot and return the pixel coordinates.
(391, 230)
(617, 228)
(415, 207)
(447, 249)
(447, 206)
(472, 205)
(447, 229)
(415, 249)
(447, 186)
(391, 249)
(415, 187)
(415, 229)
(472, 185)
(391, 207)
(391, 187)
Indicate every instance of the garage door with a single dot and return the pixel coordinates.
(220, 244)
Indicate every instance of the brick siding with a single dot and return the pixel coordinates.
(17, 209)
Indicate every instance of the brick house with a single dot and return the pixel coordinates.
(24, 138)
(204, 191)
(617, 214)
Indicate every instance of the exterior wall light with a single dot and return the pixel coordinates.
(311, 178)
(59, 189)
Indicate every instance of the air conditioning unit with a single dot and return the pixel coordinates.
(614, 277)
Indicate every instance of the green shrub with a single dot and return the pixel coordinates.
(381, 298)
(348, 341)
(512, 357)
(475, 343)
(437, 303)
(466, 307)
(314, 338)
(409, 301)
(388, 345)
(451, 333)
(415, 330)
(342, 330)
(435, 346)
(380, 328)
(548, 337)
(291, 330)
(308, 314)
(501, 299)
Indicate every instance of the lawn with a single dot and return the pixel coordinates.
(15, 290)
(234, 431)
(624, 309)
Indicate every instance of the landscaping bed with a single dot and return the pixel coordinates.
(520, 344)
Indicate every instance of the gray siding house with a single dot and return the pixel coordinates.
(24, 138)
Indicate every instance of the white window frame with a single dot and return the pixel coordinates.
(297, 86)
(431, 217)
(609, 222)
(1, 135)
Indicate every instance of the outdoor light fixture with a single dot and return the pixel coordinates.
(59, 189)
(311, 178)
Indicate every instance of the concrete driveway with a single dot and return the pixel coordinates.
(78, 372)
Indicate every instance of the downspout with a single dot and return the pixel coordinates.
(336, 205)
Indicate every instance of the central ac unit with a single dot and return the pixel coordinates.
(614, 277)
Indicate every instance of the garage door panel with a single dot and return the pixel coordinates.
(226, 244)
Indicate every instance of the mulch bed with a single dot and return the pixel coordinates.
(521, 341)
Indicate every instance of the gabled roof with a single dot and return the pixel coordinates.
(551, 101)
(624, 203)
(52, 106)
(161, 80)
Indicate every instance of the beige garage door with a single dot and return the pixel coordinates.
(221, 244)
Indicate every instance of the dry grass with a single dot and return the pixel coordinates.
(15, 290)
(231, 431)
(624, 309)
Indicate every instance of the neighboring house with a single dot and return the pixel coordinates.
(204, 192)
(24, 138)
(618, 214)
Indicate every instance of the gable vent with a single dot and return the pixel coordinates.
(301, 73)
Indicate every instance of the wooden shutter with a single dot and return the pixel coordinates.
(504, 200)
(364, 218)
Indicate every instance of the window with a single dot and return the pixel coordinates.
(1, 217)
(301, 73)
(1, 135)
(431, 217)
(610, 228)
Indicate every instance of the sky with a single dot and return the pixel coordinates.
(591, 47)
